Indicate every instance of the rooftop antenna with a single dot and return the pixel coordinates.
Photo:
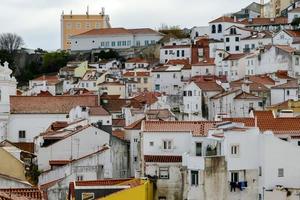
(71, 13)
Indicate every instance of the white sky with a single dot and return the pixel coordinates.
(38, 21)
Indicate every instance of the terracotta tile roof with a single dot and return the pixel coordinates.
(25, 146)
(176, 47)
(265, 21)
(137, 74)
(235, 56)
(51, 79)
(44, 94)
(49, 105)
(20, 194)
(208, 78)
(137, 125)
(136, 60)
(254, 86)
(267, 121)
(263, 79)
(98, 111)
(198, 128)
(247, 96)
(226, 19)
(283, 74)
(292, 33)
(116, 105)
(293, 84)
(286, 48)
(106, 31)
(102, 182)
(119, 134)
(148, 98)
(163, 159)
(57, 125)
(207, 62)
(118, 122)
(209, 86)
(178, 62)
(280, 106)
(143, 31)
(224, 93)
(111, 83)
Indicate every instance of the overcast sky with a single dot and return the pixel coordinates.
(38, 21)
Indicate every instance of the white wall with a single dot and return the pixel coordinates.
(281, 95)
(172, 53)
(167, 80)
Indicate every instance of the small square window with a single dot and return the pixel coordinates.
(22, 134)
(151, 144)
(235, 150)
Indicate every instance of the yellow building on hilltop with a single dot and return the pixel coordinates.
(76, 24)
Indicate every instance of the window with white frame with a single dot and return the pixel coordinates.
(164, 173)
(194, 178)
(234, 177)
(167, 144)
(235, 150)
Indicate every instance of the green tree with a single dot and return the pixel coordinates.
(296, 22)
(53, 61)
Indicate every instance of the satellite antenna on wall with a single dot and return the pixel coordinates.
(87, 10)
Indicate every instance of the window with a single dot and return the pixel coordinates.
(287, 92)
(196, 106)
(213, 29)
(251, 105)
(253, 46)
(175, 87)
(207, 71)
(220, 28)
(237, 39)
(228, 48)
(128, 43)
(87, 196)
(227, 39)
(182, 53)
(190, 93)
(69, 25)
(164, 173)
(22, 134)
(145, 80)
(146, 42)
(178, 53)
(135, 158)
(280, 172)
(123, 43)
(166, 52)
(194, 178)
(157, 87)
(260, 104)
(298, 143)
(97, 25)
(94, 84)
(113, 44)
(151, 144)
(259, 171)
(119, 43)
(139, 80)
(237, 48)
(234, 177)
(157, 75)
(174, 75)
(167, 144)
(138, 43)
(79, 177)
(153, 42)
(297, 61)
(198, 149)
(102, 44)
(235, 150)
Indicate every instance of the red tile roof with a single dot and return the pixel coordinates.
(226, 19)
(136, 60)
(137, 125)
(20, 194)
(235, 56)
(163, 159)
(209, 86)
(197, 128)
(51, 79)
(50, 105)
(265, 21)
(247, 96)
(207, 62)
(263, 79)
(286, 48)
(148, 98)
(44, 94)
(137, 74)
(118, 122)
(58, 162)
(102, 182)
(118, 31)
(267, 121)
(176, 47)
(119, 134)
(98, 111)
(293, 84)
(292, 33)
(178, 62)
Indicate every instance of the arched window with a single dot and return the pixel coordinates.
(220, 28)
(213, 29)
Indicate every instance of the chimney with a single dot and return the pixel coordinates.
(246, 87)
(234, 18)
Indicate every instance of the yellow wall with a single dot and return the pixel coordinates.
(70, 25)
(142, 192)
(11, 166)
(292, 105)
(81, 69)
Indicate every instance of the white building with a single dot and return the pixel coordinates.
(50, 83)
(283, 92)
(8, 87)
(134, 63)
(192, 102)
(173, 52)
(199, 31)
(114, 38)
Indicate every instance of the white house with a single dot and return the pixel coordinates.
(192, 102)
(114, 38)
(134, 63)
(284, 92)
(48, 83)
(173, 52)
(167, 79)
(43, 111)
(199, 31)
(205, 67)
